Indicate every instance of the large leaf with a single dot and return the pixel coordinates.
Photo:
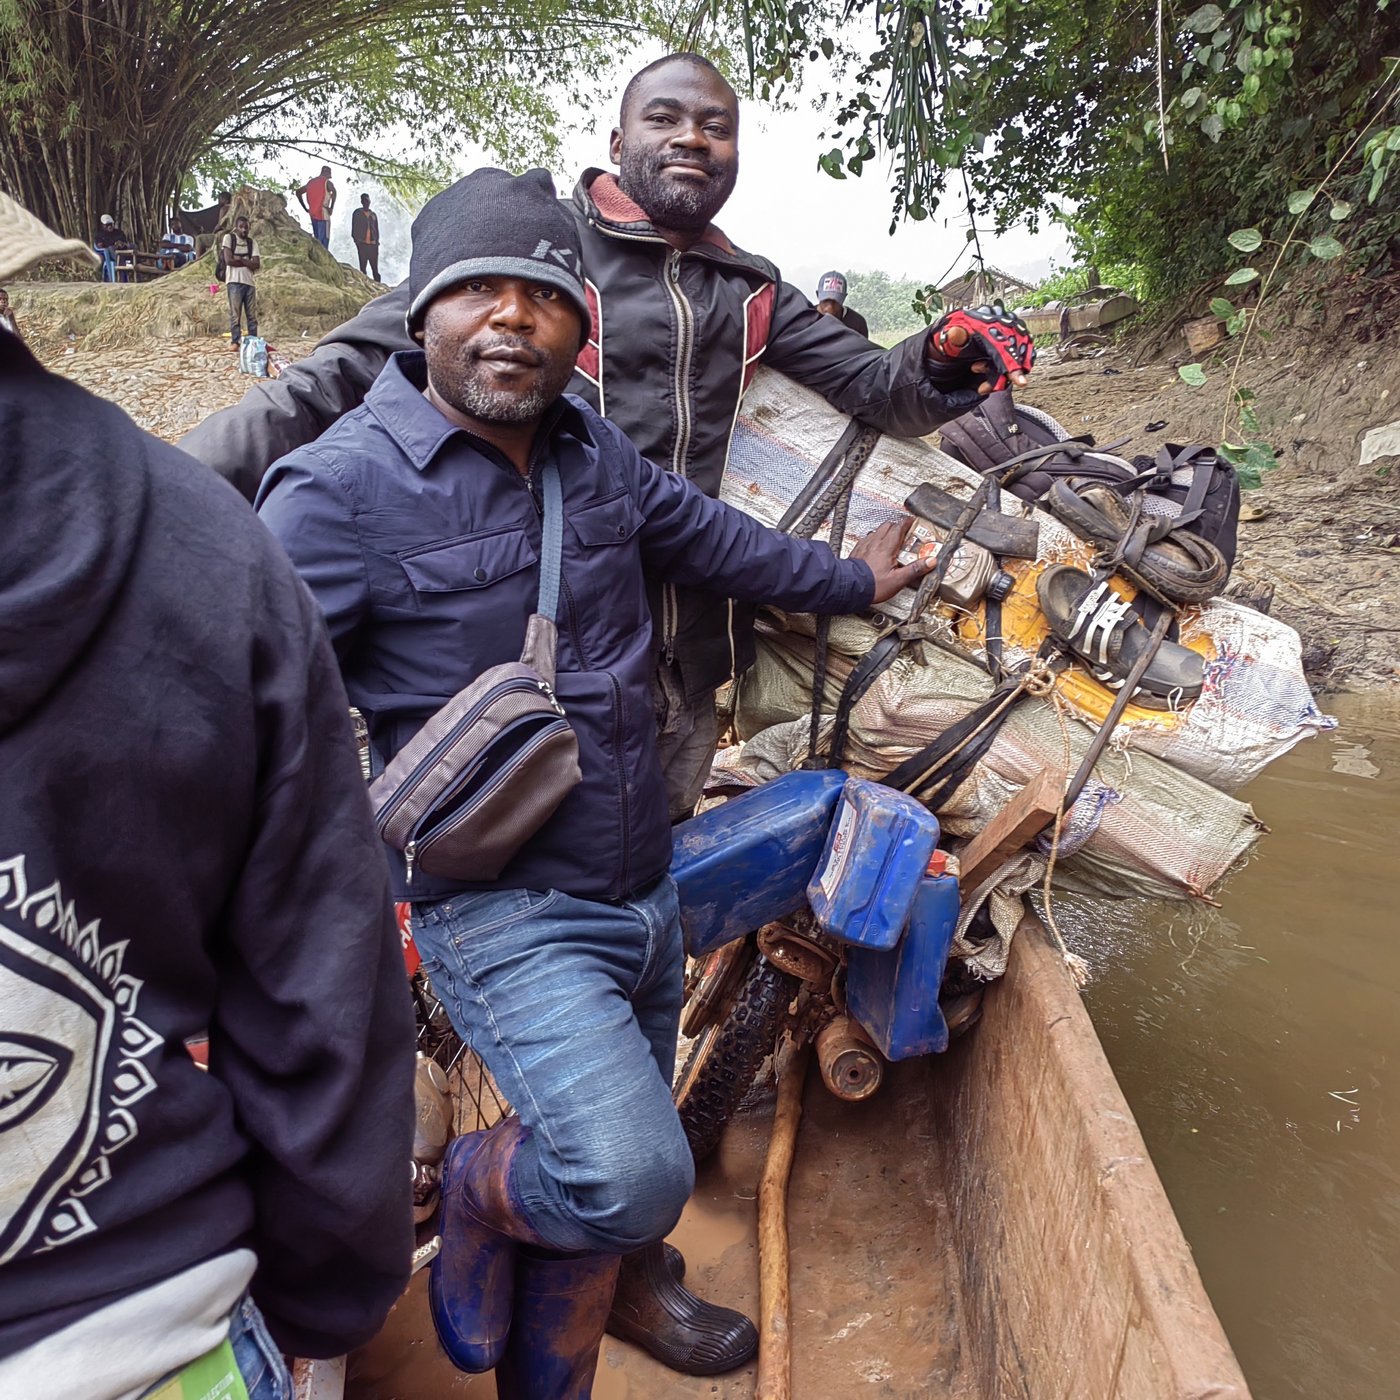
(1205, 19)
(1297, 202)
(1219, 306)
(1247, 240)
(1326, 247)
(1240, 276)
(1192, 374)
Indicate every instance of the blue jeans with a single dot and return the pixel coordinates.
(259, 1361)
(574, 1006)
(321, 232)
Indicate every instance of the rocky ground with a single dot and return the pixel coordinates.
(1326, 543)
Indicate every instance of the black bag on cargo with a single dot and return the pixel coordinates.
(998, 429)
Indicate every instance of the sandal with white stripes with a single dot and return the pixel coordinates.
(1104, 632)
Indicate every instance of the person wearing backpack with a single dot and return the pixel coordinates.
(240, 261)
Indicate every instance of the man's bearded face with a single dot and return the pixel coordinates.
(678, 146)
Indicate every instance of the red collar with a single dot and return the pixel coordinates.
(617, 208)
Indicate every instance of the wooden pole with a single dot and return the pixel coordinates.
(774, 1288)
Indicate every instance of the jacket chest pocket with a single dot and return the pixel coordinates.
(613, 521)
(470, 565)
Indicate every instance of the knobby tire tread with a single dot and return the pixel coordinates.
(733, 1056)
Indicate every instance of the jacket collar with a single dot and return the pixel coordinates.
(396, 399)
(600, 198)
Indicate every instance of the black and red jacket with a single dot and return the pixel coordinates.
(677, 337)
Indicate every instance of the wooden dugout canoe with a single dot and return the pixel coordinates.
(988, 1227)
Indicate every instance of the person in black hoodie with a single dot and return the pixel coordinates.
(185, 851)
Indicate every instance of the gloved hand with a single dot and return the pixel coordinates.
(988, 339)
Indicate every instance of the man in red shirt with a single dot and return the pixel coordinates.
(317, 197)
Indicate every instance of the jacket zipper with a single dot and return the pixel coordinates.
(622, 807)
(685, 325)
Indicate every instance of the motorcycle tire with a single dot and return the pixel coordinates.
(726, 1057)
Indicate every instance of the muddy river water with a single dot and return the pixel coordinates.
(1260, 1050)
(1259, 1046)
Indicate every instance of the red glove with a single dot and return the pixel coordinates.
(990, 333)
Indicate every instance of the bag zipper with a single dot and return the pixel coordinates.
(390, 810)
(544, 736)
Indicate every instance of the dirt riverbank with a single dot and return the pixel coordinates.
(1327, 544)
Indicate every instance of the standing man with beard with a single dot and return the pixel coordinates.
(417, 523)
(681, 320)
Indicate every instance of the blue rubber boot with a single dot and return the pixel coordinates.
(561, 1309)
(471, 1282)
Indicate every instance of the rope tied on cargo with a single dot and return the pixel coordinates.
(1078, 967)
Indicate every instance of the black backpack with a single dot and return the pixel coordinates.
(999, 429)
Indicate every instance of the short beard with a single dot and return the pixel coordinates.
(669, 204)
(457, 374)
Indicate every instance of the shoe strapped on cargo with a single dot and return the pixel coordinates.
(656, 1311)
(1173, 563)
(1102, 630)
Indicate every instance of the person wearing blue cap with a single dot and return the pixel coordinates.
(421, 521)
(831, 301)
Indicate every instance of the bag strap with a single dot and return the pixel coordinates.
(541, 635)
(552, 545)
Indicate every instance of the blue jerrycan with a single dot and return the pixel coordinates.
(894, 995)
(878, 848)
(747, 862)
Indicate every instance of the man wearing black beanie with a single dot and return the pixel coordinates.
(416, 520)
(682, 320)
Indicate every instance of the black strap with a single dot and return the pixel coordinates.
(870, 668)
(836, 471)
(931, 763)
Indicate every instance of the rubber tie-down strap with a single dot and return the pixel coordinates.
(872, 666)
(832, 478)
(967, 741)
(839, 513)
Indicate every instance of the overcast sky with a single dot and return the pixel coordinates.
(784, 207)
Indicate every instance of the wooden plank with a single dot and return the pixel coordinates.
(1015, 826)
(1077, 1283)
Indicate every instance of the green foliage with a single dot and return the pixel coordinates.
(107, 106)
(1066, 282)
(888, 304)
(1149, 144)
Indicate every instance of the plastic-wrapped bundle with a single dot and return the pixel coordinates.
(1139, 827)
(1255, 705)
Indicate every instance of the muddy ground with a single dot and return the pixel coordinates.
(1327, 546)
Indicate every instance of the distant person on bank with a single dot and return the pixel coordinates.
(831, 301)
(177, 247)
(364, 234)
(317, 197)
(242, 261)
(7, 316)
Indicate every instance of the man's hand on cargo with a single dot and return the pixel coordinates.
(989, 340)
(881, 548)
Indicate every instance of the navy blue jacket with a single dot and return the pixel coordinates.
(421, 542)
(185, 850)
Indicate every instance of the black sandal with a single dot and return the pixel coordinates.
(1171, 563)
(1104, 632)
